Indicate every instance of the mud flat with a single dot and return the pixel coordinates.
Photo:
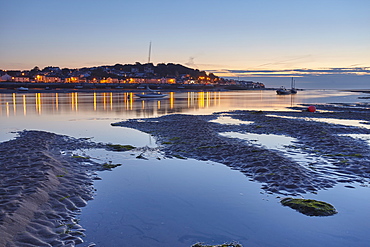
(347, 159)
(42, 189)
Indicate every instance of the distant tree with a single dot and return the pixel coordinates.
(212, 76)
(66, 72)
(35, 69)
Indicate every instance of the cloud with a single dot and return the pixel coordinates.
(294, 72)
(286, 61)
(324, 78)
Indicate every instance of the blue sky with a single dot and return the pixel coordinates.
(231, 38)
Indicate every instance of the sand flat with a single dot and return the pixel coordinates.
(41, 190)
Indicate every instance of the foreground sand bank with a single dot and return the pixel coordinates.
(42, 190)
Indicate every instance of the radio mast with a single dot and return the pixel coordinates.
(150, 50)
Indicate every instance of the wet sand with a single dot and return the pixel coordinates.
(42, 190)
(190, 136)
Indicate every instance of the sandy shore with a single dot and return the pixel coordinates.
(346, 159)
(42, 190)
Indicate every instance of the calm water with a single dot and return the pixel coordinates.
(171, 202)
(90, 114)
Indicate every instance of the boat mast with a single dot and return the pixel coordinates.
(292, 86)
(150, 50)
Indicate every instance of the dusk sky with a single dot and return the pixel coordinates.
(317, 41)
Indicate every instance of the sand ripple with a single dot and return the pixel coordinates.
(41, 190)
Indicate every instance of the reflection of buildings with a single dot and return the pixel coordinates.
(62, 103)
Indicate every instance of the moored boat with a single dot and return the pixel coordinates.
(283, 91)
(22, 89)
(151, 94)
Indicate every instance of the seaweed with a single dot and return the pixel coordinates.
(110, 165)
(119, 148)
(80, 157)
(309, 207)
(179, 157)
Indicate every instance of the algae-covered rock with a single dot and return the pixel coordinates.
(119, 148)
(309, 207)
(110, 165)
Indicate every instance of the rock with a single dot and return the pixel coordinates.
(309, 207)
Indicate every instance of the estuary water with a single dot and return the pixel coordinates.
(90, 114)
(173, 202)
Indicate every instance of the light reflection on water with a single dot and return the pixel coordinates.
(86, 114)
(229, 120)
(346, 122)
(269, 141)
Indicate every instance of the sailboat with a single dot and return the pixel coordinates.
(293, 90)
(151, 94)
(283, 91)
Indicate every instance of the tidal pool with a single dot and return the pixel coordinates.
(346, 122)
(229, 120)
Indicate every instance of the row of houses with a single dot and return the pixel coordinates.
(79, 79)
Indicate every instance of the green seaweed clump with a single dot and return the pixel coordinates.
(80, 157)
(110, 165)
(61, 199)
(309, 207)
(119, 148)
(179, 157)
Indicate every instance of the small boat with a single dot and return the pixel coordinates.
(22, 89)
(283, 91)
(151, 94)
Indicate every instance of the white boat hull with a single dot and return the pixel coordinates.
(151, 96)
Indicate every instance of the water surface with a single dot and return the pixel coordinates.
(88, 114)
(172, 202)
